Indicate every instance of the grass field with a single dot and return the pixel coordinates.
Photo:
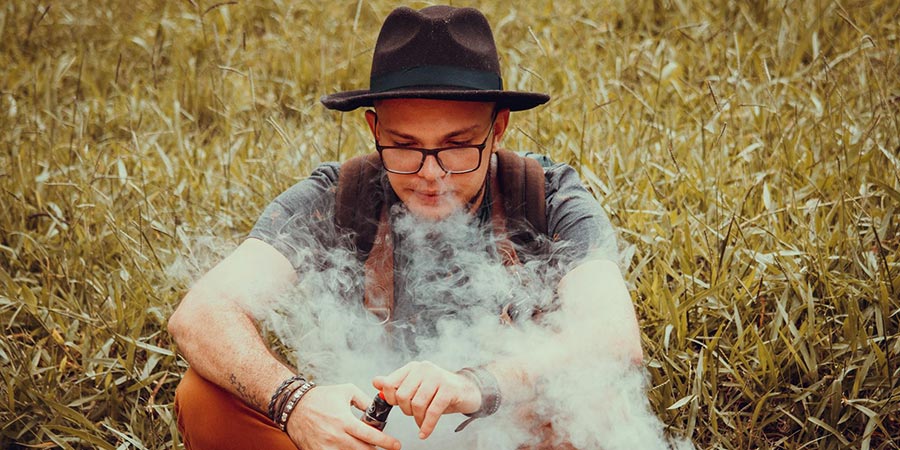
(749, 152)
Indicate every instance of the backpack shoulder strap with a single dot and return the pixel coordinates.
(523, 188)
(359, 195)
(359, 198)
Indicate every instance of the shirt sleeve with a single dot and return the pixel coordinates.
(302, 217)
(576, 217)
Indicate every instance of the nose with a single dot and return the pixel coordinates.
(431, 170)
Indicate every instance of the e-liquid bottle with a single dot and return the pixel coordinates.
(377, 413)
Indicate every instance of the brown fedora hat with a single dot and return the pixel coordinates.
(439, 52)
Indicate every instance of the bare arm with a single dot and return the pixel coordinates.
(597, 321)
(216, 333)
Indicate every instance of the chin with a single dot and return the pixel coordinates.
(432, 212)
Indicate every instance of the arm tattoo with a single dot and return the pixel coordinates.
(241, 390)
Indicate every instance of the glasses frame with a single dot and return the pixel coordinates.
(426, 152)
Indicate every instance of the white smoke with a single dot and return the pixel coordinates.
(589, 389)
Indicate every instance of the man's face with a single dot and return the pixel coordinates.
(432, 193)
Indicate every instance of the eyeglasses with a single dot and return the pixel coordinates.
(454, 159)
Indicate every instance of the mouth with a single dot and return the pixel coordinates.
(430, 197)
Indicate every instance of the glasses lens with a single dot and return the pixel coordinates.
(459, 159)
(401, 160)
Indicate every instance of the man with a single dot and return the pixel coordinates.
(439, 115)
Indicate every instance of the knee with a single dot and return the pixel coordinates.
(195, 395)
(209, 417)
(198, 403)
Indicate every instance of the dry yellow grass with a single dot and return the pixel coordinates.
(749, 153)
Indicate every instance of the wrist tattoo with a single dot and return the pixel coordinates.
(241, 390)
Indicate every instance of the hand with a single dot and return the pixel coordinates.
(426, 391)
(323, 420)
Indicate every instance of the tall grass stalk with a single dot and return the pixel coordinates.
(748, 152)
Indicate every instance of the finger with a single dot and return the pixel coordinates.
(371, 436)
(388, 384)
(360, 400)
(421, 401)
(395, 377)
(407, 391)
(436, 409)
(353, 442)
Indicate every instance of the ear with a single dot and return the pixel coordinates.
(500, 124)
(370, 118)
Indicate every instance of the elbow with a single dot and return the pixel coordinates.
(185, 318)
(637, 356)
(628, 352)
(204, 309)
(634, 351)
(177, 322)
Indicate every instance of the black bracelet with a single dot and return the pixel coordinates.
(288, 407)
(280, 391)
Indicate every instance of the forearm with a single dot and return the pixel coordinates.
(596, 324)
(215, 331)
(223, 344)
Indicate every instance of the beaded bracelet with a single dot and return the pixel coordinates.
(278, 392)
(292, 402)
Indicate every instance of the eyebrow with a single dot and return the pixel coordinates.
(446, 137)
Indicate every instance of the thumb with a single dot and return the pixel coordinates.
(359, 399)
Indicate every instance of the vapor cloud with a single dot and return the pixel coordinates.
(590, 392)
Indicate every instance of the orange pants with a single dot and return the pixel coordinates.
(210, 417)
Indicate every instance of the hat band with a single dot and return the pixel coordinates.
(436, 76)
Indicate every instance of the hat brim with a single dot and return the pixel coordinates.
(514, 100)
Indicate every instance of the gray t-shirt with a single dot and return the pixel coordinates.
(299, 223)
(573, 214)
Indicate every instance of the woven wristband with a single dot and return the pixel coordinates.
(292, 402)
(490, 393)
(278, 393)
